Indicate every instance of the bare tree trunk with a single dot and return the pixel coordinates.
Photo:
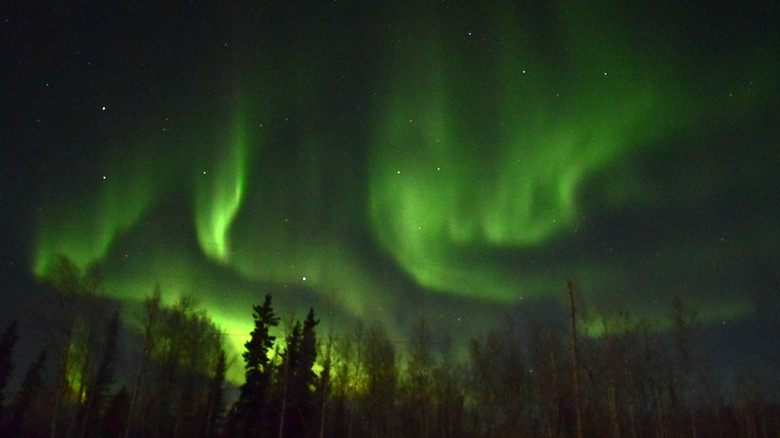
(612, 354)
(554, 429)
(290, 331)
(358, 367)
(209, 418)
(152, 306)
(284, 393)
(576, 361)
(325, 383)
(613, 410)
(138, 381)
(56, 413)
(62, 386)
(322, 417)
(632, 415)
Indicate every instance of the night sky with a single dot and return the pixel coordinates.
(387, 162)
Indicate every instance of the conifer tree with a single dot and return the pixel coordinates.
(298, 380)
(27, 397)
(322, 388)
(249, 415)
(309, 350)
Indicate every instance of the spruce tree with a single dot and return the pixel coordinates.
(285, 388)
(249, 416)
(297, 380)
(306, 379)
(26, 398)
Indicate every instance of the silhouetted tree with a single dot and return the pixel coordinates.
(214, 406)
(181, 349)
(498, 380)
(74, 327)
(381, 382)
(348, 383)
(619, 359)
(418, 380)
(287, 365)
(575, 361)
(636, 379)
(297, 380)
(249, 415)
(115, 416)
(323, 386)
(7, 343)
(304, 379)
(197, 360)
(447, 393)
(681, 373)
(149, 321)
(98, 389)
(22, 423)
(550, 381)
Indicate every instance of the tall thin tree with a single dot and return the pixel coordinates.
(97, 391)
(248, 417)
(575, 360)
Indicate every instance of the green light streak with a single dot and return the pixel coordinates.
(491, 156)
(479, 146)
(710, 313)
(218, 196)
(83, 225)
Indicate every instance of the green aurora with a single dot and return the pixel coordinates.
(472, 163)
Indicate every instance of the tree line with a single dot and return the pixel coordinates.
(517, 379)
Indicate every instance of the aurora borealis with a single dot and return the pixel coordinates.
(385, 163)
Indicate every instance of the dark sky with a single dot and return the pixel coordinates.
(388, 162)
